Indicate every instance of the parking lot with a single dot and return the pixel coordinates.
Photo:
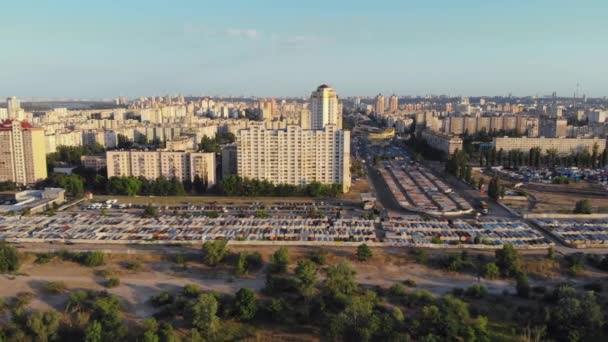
(417, 189)
(578, 233)
(486, 233)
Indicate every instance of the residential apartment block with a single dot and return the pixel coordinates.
(22, 153)
(445, 143)
(564, 146)
(294, 155)
(169, 164)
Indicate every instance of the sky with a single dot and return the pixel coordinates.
(105, 49)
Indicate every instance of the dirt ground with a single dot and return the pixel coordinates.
(157, 274)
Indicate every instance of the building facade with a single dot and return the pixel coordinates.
(22, 153)
(443, 142)
(294, 155)
(563, 146)
(170, 164)
(325, 108)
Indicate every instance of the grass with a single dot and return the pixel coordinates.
(55, 287)
(112, 282)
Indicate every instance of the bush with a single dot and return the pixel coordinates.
(398, 290)
(254, 261)
(9, 260)
(476, 291)
(43, 258)
(318, 256)
(491, 271)
(583, 207)
(161, 299)
(523, 286)
(54, 287)
(364, 253)
(214, 252)
(409, 282)
(91, 259)
(112, 282)
(421, 256)
(133, 266)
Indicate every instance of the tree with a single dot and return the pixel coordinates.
(214, 252)
(306, 274)
(522, 286)
(583, 207)
(9, 260)
(491, 271)
(43, 325)
(279, 261)
(203, 313)
(508, 260)
(340, 280)
(150, 211)
(245, 304)
(364, 253)
(93, 332)
(575, 316)
(494, 189)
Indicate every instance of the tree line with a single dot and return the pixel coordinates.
(239, 186)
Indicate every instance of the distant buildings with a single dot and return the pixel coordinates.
(563, 146)
(13, 108)
(379, 104)
(394, 104)
(22, 153)
(553, 128)
(94, 162)
(152, 165)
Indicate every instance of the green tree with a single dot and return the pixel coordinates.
(583, 207)
(214, 252)
(523, 286)
(93, 332)
(279, 261)
(245, 304)
(150, 211)
(494, 189)
(9, 260)
(364, 253)
(508, 260)
(306, 274)
(491, 271)
(340, 280)
(203, 313)
(43, 326)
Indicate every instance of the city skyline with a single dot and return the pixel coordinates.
(110, 49)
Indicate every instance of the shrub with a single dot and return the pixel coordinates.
(476, 291)
(161, 299)
(409, 282)
(9, 260)
(491, 271)
(43, 258)
(398, 290)
(133, 266)
(254, 261)
(112, 282)
(364, 253)
(319, 257)
(91, 259)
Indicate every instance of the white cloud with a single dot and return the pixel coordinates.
(243, 33)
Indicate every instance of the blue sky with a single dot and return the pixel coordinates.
(103, 49)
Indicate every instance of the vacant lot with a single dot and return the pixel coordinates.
(157, 273)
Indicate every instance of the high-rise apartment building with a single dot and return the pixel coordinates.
(170, 164)
(325, 108)
(294, 155)
(379, 104)
(13, 108)
(394, 104)
(553, 127)
(22, 153)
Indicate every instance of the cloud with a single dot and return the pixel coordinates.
(202, 30)
(243, 33)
